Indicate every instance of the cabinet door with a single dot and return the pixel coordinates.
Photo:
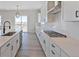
(13, 47)
(6, 50)
(54, 50)
(44, 45)
(53, 53)
(47, 46)
(42, 41)
(69, 9)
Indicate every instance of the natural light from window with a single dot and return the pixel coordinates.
(21, 21)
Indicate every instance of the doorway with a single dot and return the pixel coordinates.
(21, 23)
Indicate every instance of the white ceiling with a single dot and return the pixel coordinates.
(23, 5)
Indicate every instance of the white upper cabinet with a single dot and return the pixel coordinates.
(44, 12)
(70, 11)
(5, 50)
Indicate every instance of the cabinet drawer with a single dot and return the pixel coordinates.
(5, 50)
(4, 47)
(63, 54)
(56, 48)
(53, 53)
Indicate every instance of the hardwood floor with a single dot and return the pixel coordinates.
(30, 46)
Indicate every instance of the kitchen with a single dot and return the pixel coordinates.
(52, 29)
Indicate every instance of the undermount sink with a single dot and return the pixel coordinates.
(9, 34)
(54, 34)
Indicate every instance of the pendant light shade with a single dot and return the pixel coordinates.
(17, 12)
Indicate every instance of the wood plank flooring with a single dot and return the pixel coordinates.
(30, 46)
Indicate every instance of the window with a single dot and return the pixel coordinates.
(21, 23)
(18, 22)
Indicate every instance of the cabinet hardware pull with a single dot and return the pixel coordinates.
(16, 41)
(53, 46)
(52, 52)
(8, 44)
(12, 48)
(44, 42)
(39, 34)
(76, 13)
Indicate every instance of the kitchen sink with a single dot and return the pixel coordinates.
(9, 34)
(54, 34)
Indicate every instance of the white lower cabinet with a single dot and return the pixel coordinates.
(50, 49)
(10, 48)
(42, 41)
(54, 50)
(14, 46)
(53, 53)
(47, 46)
(6, 50)
(44, 45)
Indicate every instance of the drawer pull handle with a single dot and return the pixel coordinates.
(8, 45)
(53, 46)
(44, 42)
(76, 13)
(52, 52)
(12, 48)
(16, 41)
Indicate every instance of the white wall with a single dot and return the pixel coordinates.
(10, 16)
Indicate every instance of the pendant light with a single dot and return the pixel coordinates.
(17, 12)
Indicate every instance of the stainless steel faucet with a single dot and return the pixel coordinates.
(4, 26)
